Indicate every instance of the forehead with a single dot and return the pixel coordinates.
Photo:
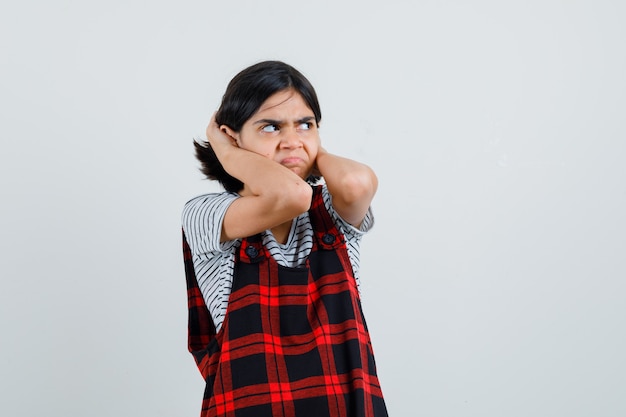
(284, 100)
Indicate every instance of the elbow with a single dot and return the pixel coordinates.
(359, 186)
(302, 196)
(295, 199)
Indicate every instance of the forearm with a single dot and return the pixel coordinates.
(260, 175)
(272, 194)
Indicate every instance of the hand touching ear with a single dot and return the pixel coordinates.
(220, 136)
(316, 171)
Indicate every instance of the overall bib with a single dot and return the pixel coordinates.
(294, 342)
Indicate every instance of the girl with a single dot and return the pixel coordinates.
(275, 321)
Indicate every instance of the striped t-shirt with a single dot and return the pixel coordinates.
(214, 262)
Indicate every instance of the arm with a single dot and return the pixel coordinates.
(351, 184)
(272, 194)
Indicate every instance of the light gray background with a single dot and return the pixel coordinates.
(493, 280)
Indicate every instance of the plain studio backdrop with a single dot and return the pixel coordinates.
(494, 280)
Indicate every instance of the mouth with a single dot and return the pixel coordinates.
(291, 161)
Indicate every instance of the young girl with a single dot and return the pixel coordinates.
(275, 321)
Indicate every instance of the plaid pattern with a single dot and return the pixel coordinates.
(294, 342)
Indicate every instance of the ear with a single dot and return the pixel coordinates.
(230, 132)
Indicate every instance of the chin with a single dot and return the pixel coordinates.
(302, 174)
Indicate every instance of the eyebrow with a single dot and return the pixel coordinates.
(280, 122)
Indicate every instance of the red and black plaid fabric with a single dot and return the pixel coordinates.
(294, 342)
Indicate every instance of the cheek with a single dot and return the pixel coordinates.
(313, 142)
(263, 149)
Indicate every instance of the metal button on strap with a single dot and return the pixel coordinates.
(252, 252)
(328, 238)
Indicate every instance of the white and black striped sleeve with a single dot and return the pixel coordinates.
(202, 221)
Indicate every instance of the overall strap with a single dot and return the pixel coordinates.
(251, 250)
(326, 234)
(201, 330)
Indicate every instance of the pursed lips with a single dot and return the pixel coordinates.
(291, 160)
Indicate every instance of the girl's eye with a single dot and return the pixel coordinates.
(270, 128)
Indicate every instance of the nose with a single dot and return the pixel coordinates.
(290, 139)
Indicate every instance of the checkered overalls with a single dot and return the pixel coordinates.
(294, 342)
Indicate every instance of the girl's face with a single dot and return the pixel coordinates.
(283, 129)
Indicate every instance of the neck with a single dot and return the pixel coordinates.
(281, 232)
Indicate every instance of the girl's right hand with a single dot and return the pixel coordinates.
(218, 137)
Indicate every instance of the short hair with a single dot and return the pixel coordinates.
(245, 93)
